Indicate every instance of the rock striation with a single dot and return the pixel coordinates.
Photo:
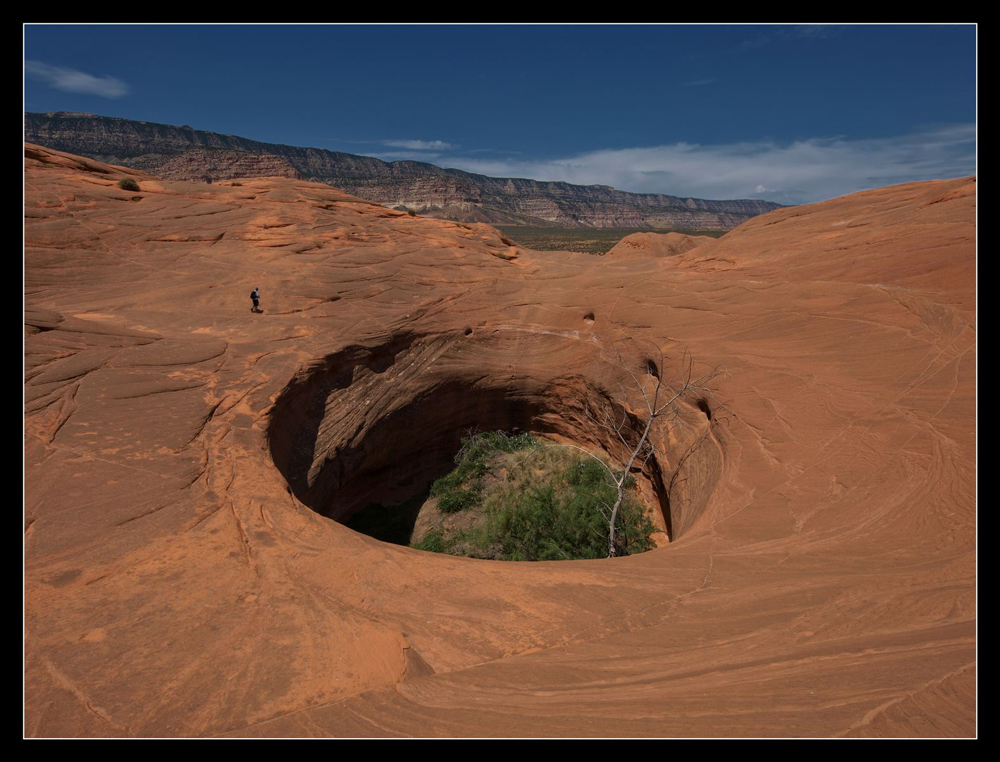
(187, 461)
(425, 188)
(212, 166)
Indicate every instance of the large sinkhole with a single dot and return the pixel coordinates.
(377, 424)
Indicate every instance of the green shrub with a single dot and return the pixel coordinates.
(461, 488)
(550, 504)
(434, 542)
(564, 518)
(455, 500)
(127, 183)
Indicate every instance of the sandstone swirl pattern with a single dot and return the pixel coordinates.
(181, 579)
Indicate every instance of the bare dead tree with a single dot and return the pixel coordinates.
(657, 404)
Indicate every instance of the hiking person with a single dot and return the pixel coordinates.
(255, 295)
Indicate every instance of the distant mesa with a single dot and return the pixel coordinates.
(424, 188)
(72, 114)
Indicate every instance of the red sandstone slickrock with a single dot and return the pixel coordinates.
(184, 458)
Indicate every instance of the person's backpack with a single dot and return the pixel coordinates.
(253, 294)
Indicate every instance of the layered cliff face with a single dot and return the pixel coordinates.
(220, 164)
(426, 188)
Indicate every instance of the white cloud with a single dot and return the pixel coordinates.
(786, 32)
(73, 81)
(428, 156)
(797, 172)
(420, 145)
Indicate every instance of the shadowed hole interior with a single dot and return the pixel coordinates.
(376, 425)
(703, 407)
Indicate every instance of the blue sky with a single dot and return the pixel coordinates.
(790, 113)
